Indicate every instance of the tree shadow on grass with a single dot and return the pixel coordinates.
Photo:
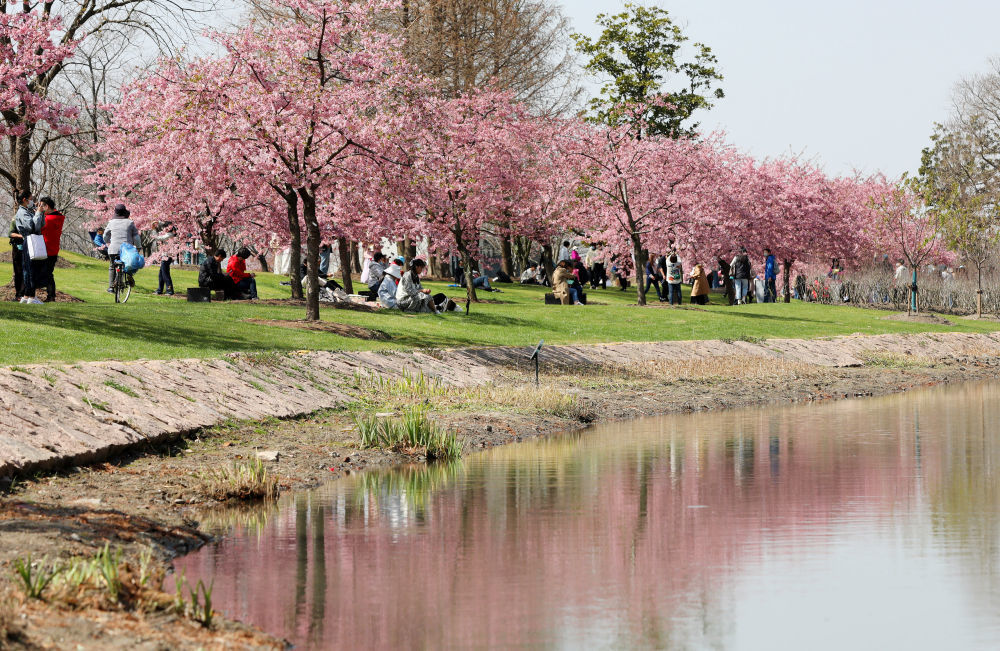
(145, 329)
(136, 329)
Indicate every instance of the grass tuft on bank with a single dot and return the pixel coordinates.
(162, 327)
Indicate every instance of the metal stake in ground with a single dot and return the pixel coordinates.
(534, 356)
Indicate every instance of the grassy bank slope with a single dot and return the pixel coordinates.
(151, 326)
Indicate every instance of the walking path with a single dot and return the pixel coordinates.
(56, 415)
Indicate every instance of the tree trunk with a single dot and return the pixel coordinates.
(547, 262)
(262, 259)
(506, 257)
(312, 253)
(295, 245)
(914, 299)
(343, 248)
(433, 263)
(411, 248)
(640, 270)
(470, 291)
(522, 253)
(787, 266)
(979, 292)
(401, 251)
(356, 257)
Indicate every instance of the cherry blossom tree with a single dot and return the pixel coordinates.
(643, 190)
(903, 225)
(466, 170)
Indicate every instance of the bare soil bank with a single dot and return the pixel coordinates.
(153, 498)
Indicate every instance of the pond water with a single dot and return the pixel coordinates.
(869, 524)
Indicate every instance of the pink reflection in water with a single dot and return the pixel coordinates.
(653, 533)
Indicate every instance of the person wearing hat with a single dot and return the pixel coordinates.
(120, 230)
(387, 289)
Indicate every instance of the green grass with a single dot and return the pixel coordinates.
(160, 327)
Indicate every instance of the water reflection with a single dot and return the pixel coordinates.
(868, 524)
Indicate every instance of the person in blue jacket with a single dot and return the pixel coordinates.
(770, 275)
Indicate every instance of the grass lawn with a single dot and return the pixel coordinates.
(160, 327)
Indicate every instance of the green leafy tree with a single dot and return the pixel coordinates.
(641, 54)
(959, 181)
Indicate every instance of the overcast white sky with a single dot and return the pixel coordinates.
(853, 84)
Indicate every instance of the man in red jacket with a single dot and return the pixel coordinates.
(51, 233)
(246, 284)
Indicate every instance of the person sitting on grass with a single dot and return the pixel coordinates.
(412, 297)
(561, 287)
(479, 281)
(100, 246)
(210, 275)
(376, 269)
(245, 283)
(530, 276)
(387, 290)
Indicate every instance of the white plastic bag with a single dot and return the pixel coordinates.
(36, 247)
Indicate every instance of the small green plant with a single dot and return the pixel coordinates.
(412, 430)
(262, 358)
(118, 386)
(107, 564)
(20, 369)
(878, 359)
(35, 577)
(97, 404)
(257, 385)
(248, 480)
(750, 339)
(51, 379)
(201, 603)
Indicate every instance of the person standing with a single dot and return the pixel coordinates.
(120, 230)
(675, 275)
(165, 284)
(653, 279)
(16, 258)
(28, 222)
(740, 269)
(700, 285)
(325, 251)
(770, 276)
(52, 234)
(563, 252)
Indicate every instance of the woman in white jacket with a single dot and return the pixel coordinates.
(412, 297)
(387, 289)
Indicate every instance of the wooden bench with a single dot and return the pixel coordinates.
(550, 299)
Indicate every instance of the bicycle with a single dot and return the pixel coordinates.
(123, 282)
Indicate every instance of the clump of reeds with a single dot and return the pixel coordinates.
(411, 431)
(879, 359)
(107, 581)
(244, 480)
(409, 385)
(718, 368)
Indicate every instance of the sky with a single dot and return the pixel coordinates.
(851, 85)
